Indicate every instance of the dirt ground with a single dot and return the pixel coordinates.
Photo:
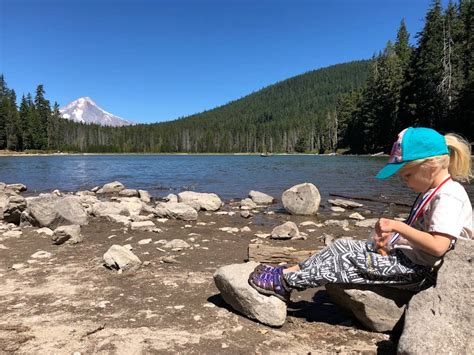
(70, 303)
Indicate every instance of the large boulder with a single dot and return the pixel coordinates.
(440, 319)
(41, 211)
(206, 201)
(129, 193)
(286, 230)
(379, 308)
(119, 257)
(176, 210)
(104, 209)
(232, 282)
(144, 196)
(3, 203)
(70, 211)
(111, 187)
(16, 204)
(260, 198)
(302, 199)
(17, 188)
(49, 211)
(133, 205)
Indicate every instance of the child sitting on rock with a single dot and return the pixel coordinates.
(406, 254)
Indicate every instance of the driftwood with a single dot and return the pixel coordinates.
(93, 331)
(267, 254)
(371, 200)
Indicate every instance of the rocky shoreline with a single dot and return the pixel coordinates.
(115, 270)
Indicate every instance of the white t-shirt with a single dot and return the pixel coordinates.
(449, 212)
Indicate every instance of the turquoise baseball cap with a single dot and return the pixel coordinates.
(413, 144)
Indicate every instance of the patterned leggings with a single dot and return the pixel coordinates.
(350, 262)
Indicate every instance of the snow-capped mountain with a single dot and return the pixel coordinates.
(86, 110)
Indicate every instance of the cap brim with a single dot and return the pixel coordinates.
(388, 170)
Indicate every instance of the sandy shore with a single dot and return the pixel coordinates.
(71, 303)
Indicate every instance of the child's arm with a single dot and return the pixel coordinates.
(433, 243)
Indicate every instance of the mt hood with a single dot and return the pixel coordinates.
(85, 110)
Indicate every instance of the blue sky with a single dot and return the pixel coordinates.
(152, 61)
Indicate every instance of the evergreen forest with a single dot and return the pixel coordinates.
(358, 106)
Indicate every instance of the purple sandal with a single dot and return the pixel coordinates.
(263, 268)
(271, 284)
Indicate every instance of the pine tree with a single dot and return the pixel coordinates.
(402, 46)
(12, 123)
(54, 139)
(40, 122)
(428, 70)
(465, 108)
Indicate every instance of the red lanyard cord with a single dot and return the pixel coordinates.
(417, 209)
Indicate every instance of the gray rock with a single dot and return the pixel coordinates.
(128, 193)
(145, 241)
(328, 239)
(46, 231)
(119, 257)
(368, 223)
(357, 216)
(337, 209)
(261, 198)
(440, 319)
(118, 218)
(26, 220)
(16, 187)
(69, 211)
(144, 226)
(247, 202)
(302, 199)
(144, 196)
(194, 204)
(171, 198)
(85, 193)
(232, 282)
(48, 211)
(3, 202)
(176, 210)
(133, 205)
(103, 209)
(111, 187)
(287, 230)
(41, 210)
(41, 254)
(12, 234)
(337, 222)
(16, 204)
(206, 201)
(245, 214)
(345, 203)
(176, 243)
(69, 234)
(379, 308)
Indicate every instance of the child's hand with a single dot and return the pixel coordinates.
(384, 229)
(385, 226)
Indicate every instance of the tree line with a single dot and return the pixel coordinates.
(431, 84)
(360, 105)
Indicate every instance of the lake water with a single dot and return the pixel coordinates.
(230, 176)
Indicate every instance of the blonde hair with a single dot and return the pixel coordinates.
(458, 162)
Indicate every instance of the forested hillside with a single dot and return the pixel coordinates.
(360, 105)
(295, 114)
